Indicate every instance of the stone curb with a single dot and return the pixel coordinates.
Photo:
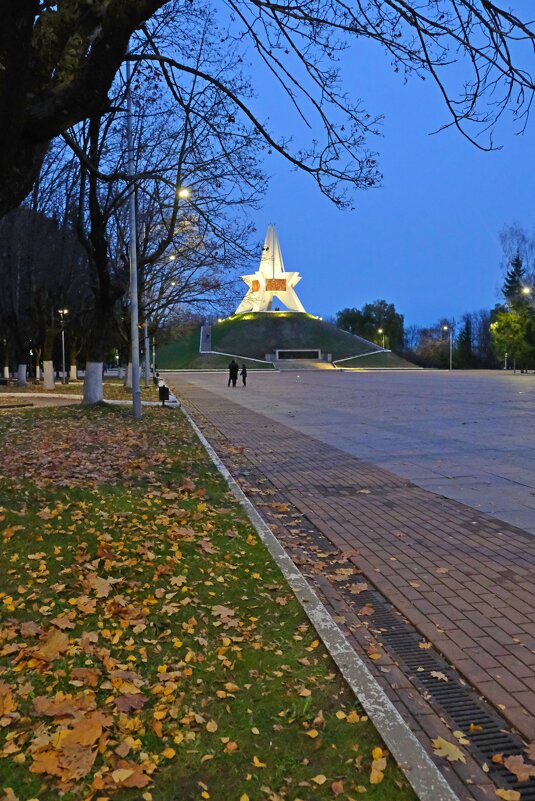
(420, 770)
(172, 403)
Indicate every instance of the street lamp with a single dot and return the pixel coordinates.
(525, 290)
(381, 331)
(62, 313)
(184, 193)
(448, 328)
(132, 224)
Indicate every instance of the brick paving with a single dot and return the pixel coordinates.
(464, 580)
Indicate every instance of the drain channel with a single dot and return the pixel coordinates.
(452, 699)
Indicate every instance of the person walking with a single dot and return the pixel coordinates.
(233, 370)
(243, 374)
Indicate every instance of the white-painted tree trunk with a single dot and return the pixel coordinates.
(93, 391)
(121, 372)
(6, 371)
(73, 373)
(48, 374)
(128, 382)
(21, 375)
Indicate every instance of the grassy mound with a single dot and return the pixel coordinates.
(183, 354)
(251, 336)
(255, 335)
(382, 360)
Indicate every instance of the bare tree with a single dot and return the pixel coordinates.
(196, 178)
(516, 242)
(59, 61)
(43, 270)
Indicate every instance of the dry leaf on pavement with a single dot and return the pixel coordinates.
(443, 748)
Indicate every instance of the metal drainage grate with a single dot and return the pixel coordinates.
(453, 699)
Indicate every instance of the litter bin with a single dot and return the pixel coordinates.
(163, 393)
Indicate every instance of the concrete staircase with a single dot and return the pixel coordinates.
(302, 364)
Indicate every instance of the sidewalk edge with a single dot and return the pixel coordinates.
(420, 770)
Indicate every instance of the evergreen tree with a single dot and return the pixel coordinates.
(463, 353)
(514, 280)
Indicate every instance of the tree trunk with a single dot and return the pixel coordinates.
(93, 390)
(73, 370)
(21, 375)
(48, 374)
(6, 371)
(128, 379)
(48, 364)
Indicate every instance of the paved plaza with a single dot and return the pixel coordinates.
(467, 435)
(391, 491)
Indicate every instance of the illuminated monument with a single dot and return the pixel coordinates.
(270, 280)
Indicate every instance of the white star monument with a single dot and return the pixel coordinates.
(270, 280)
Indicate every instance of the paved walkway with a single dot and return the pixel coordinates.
(462, 579)
(468, 435)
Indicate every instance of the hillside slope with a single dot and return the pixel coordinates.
(254, 335)
(251, 336)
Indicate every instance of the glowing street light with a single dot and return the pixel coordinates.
(184, 193)
(448, 328)
(381, 331)
(525, 290)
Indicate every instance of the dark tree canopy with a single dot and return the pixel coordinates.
(376, 322)
(58, 61)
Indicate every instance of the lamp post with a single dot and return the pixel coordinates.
(448, 328)
(147, 353)
(381, 331)
(134, 312)
(62, 313)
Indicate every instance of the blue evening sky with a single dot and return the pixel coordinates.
(427, 239)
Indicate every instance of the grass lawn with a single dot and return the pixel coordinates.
(183, 354)
(114, 389)
(6, 403)
(149, 647)
(258, 334)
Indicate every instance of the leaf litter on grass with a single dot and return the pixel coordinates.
(149, 646)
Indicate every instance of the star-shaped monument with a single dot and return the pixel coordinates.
(270, 280)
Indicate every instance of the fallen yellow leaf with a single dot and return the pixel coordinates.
(443, 748)
(319, 779)
(121, 774)
(257, 763)
(508, 795)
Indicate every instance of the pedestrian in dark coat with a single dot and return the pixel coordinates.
(244, 375)
(233, 370)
